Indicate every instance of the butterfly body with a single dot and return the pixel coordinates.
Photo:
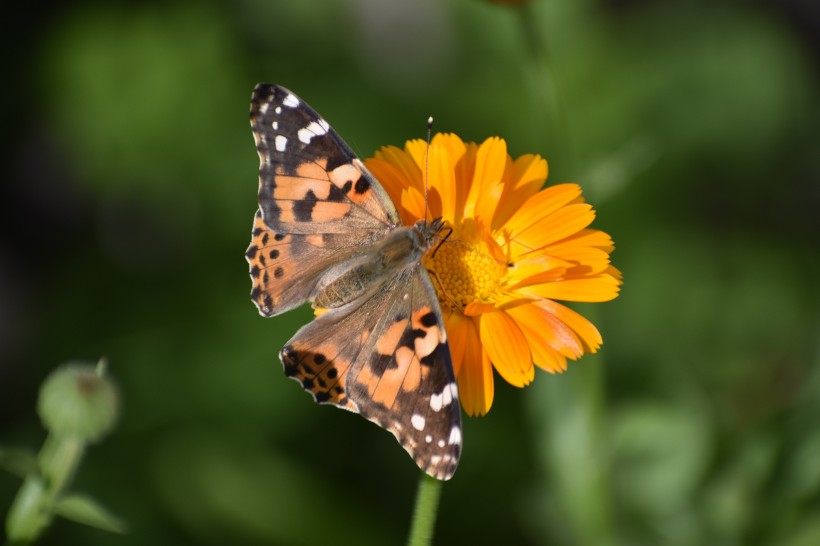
(402, 248)
(326, 232)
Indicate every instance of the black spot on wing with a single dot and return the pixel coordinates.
(321, 397)
(270, 209)
(409, 337)
(439, 357)
(362, 184)
(379, 363)
(429, 320)
(289, 360)
(338, 194)
(303, 209)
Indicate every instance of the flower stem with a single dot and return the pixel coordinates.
(424, 515)
(32, 509)
(549, 104)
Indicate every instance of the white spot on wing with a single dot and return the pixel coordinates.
(280, 142)
(441, 443)
(417, 421)
(291, 101)
(275, 125)
(428, 438)
(455, 436)
(264, 107)
(278, 109)
(445, 398)
(316, 128)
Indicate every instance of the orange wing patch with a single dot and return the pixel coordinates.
(424, 320)
(285, 267)
(320, 370)
(271, 263)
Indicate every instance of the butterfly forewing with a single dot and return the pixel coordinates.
(309, 179)
(381, 352)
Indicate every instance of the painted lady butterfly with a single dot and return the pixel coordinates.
(327, 232)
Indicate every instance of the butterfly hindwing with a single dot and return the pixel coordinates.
(286, 267)
(388, 360)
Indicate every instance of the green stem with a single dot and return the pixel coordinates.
(31, 511)
(424, 515)
(549, 106)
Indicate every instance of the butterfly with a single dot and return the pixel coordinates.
(326, 232)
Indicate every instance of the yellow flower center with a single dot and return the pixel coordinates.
(464, 273)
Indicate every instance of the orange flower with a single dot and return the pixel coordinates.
(513, 251)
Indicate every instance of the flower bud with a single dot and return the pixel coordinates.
(76, 401)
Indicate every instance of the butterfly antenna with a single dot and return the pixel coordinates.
(427, 166)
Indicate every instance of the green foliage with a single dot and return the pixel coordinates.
(691, 126)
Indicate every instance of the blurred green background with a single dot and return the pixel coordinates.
(129, 186)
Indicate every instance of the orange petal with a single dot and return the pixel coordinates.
(523, 180)
(543, 354)
(586, 238)
(489, 170)
(587, 260)
(507, 348)
(488, 202)
(404, 162)
(411, 205)
(553, 331)
(465, 170)
(601, 287)
(475, 378)
(575, 262)
(456, 327)
(558, 225)
(540, 205)
(392, 179)
(442, 184)
(586, 331)
(452, 143)
(475, 308)
(539, 265)
(417, 148)
(531, 172)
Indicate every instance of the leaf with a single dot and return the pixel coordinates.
(19, 462)
(83, 509)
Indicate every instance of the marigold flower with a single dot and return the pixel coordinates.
(514, 249)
